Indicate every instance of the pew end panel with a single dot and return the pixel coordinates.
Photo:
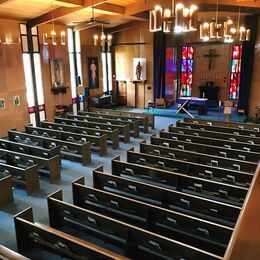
(26, 216)
(77, 199)
(32, 179)
(245, 240)
(86, 153)
(99, 168)
(55, 169)
(6, 191)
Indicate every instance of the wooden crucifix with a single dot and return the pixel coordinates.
(211, 55)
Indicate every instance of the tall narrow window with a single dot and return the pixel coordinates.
(235, 72)
(186, 70)
(170, 72)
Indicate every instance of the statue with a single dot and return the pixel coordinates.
(138, 71)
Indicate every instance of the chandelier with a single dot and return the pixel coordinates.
(178, 19)
(103, 39)
(225, 30)
(53, 35)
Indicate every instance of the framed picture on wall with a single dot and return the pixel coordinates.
(139, 69)
(56, 67)
(2, 103)
(16, 101)
(93, 78)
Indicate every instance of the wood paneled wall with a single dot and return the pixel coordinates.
(12, 82)
(89, 50)
(124, 52)
(255, 87)
(219, 73)
(49, 52)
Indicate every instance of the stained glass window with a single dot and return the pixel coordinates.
(171, 68)
(235, 72)
(186, 70)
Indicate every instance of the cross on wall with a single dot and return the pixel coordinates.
(211, 56)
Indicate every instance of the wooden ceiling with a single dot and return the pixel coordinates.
(76, 12)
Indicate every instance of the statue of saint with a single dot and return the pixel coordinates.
(138, 71)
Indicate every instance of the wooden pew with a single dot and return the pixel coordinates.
(133, 242)
(35, 239)
(95, 141)
(239, 125)
(46, 166)
(69, 150)
(27, 177)
(6, 253)
(213, 134)
(29, 149)
(168, 178)
(192, 205)
(212, 141)
(6, 191)
(134, 127)
(142, 122)
(196, 232)
(127, 113)
(202, 158)
(112, 135)
(211, 170)
(208, 149)
(123, 130)
(245, 240)
(224, 129)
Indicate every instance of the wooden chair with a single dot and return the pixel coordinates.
(160, 103)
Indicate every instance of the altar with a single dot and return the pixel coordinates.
(187, 102)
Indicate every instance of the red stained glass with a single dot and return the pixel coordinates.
(186, 70)
(235, 72)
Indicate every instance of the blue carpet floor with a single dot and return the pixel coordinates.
(213, 113)
(70, 172)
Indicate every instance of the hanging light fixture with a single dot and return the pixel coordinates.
(183, 19)
(53, 34)
(240, 33)
(103, 38)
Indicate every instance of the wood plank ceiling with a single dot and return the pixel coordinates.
(76, 12)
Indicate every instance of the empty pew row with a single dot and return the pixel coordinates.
(69, 150)
(124, 131)
(49, 167)
(25, 177)
(112, 135)
(6, 191)
(142, 123)
(214, 134)
(245, 241)
(220, 129)
(129, 240)
(239, 125)
(94, 140)
(164, 149)
(170, 179)
(38, 241)
(207, 149)
(127, 113)
(212, 141)
(187, 229)
(134, 126)
(27, 148)
(210, 210)
(6, 253)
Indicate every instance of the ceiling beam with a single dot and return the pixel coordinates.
(111, 8)
(69, 3)
(62, 11)
(4, 1)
